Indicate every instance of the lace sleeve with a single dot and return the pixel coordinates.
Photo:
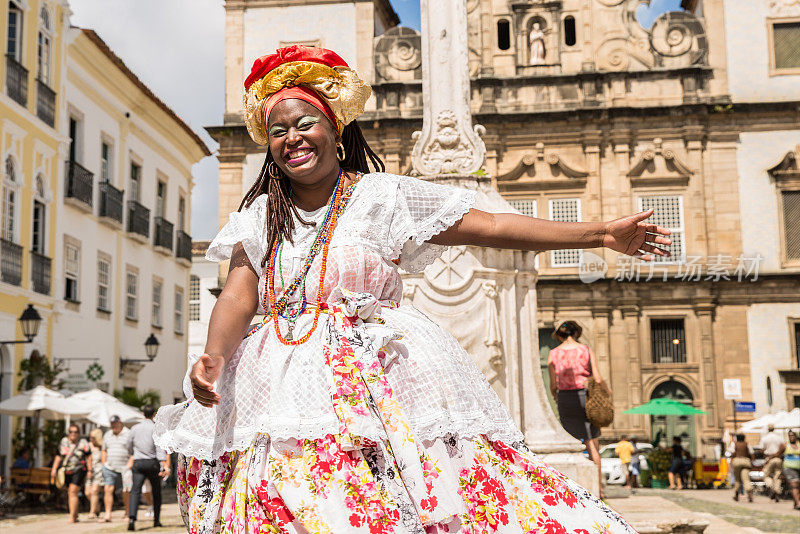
(422, 210)
(247, 226)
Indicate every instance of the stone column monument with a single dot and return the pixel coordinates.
(484, 297)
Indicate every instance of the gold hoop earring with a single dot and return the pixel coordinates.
(343, 155)
(273, 171)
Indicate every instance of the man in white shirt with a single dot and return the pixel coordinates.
(114, 456)
(772, 445)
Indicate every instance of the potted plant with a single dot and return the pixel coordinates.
(659, 460)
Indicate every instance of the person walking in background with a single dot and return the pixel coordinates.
(94, 478)
(149, 462)
(76, 455)
(114, 456)
(772, 444)
(624, 451)
(791, 466)
(570, 364)
(635, 465)
(742, 462)
(676, 467)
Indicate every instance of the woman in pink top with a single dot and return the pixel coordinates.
(570, 364)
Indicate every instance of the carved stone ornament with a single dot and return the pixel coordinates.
(447, 144)
(788, 169)
(450, 150)
(549, 170)
(783, 8)
(398, 51)
(659, 166)
(677, 39)
(493, 338)
(454, 269)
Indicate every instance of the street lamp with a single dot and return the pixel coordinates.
(150, 349)
(30, 320)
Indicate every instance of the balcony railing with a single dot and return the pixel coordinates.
(10, 262)
(45, 103)
(183, 246)
(163, 233)
(40, 272)
(16, 80)
(138, 219)
(110, 202)
(80, 183)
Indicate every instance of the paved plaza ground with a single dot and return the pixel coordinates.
(646, 510)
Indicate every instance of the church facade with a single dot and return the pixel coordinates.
(590, 115)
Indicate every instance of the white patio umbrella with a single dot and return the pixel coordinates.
(45, 403)
(778, 420)
(103, 406)
(790, 420)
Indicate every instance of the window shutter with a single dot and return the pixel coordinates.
(565, 210)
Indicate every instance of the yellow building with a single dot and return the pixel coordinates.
(32, 153)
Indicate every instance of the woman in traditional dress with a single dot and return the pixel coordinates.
(343, 411)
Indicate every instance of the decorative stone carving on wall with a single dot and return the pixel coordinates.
(494, 338)
(451, 150)
(783, 8)
(788, 169)
(398, 55)
(659, 166)
(539, 170)
(452, 270)
(676, 39)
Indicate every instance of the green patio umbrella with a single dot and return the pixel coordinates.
(665, 407)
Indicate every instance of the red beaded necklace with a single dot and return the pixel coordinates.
(340, 200)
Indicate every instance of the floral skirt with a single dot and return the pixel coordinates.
(320, 486)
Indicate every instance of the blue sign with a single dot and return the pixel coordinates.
(747, 407)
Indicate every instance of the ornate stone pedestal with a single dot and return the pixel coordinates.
(486, 298)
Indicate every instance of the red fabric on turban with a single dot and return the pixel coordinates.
(264, 64)
(300, 93)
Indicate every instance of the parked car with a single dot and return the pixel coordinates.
(611, 467)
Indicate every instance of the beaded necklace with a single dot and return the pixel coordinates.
(322, 241)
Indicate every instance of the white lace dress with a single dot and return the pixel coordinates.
(380, 422)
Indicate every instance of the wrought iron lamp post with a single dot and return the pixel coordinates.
(30, 320)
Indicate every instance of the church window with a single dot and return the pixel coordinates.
(565, 210)
(668, 214)
(791, 230)
(524, 206)
(668, 340)
(570, 37)
(785, 46)
(503, 34)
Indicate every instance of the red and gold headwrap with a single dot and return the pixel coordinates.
(315, 75)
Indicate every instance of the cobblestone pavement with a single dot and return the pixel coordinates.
(762, 514)
(57, 523)
(644, 509)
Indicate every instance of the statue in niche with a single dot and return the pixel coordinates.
(536, 40)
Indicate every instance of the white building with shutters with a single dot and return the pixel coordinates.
(763, 50)
(123, 251)
(203, 291)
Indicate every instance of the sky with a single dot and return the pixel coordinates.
(176, 47)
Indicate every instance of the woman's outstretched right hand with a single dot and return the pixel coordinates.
(204, 373)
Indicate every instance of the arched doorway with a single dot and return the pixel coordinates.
(674, 425)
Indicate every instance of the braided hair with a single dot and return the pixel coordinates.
(280, 206)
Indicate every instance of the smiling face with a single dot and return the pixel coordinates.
(302, 141)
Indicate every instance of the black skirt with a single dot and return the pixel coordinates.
(572, 412)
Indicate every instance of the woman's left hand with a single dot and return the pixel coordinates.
(634, 237)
